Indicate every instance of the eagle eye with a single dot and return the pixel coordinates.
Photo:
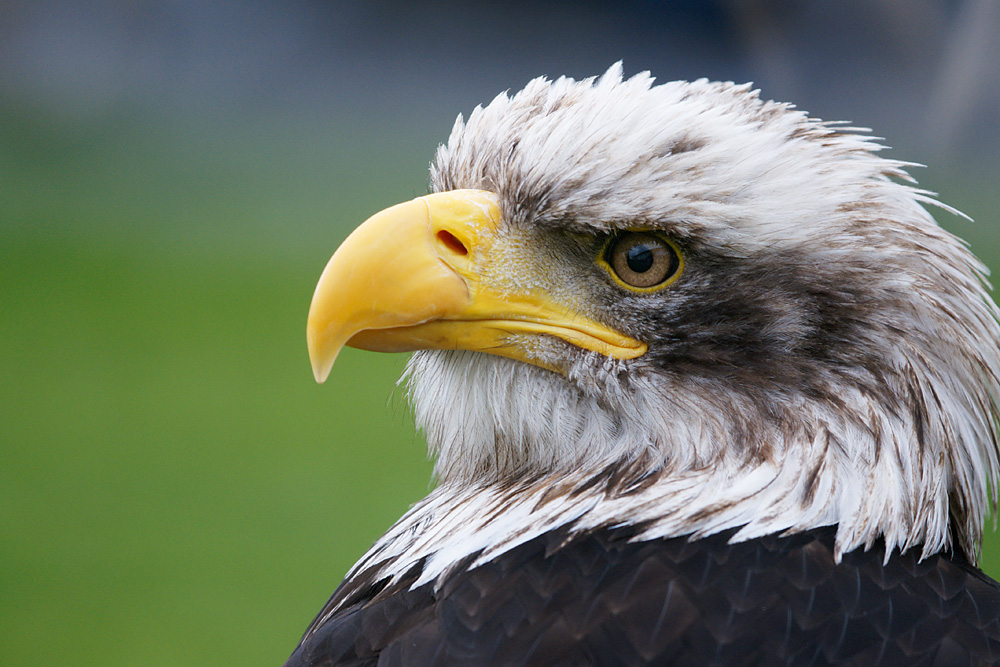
(642, 260)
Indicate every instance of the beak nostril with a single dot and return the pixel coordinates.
(451, 242)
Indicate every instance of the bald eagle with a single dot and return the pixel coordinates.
(704, 382)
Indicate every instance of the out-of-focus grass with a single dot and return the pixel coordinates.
(176, 489)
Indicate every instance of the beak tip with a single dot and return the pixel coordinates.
(322, 351)
(321, 369)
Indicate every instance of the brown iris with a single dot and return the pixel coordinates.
(643, 260)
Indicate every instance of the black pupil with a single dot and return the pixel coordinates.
(639, 258)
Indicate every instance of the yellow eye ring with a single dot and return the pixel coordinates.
(641, 261)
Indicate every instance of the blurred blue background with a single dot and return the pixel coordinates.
(173, 177)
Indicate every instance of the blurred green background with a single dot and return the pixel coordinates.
(176, 489)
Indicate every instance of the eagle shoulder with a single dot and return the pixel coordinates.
(601, 598)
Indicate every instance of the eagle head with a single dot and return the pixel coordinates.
(682, 307)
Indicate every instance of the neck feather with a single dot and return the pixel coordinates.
(695, 461)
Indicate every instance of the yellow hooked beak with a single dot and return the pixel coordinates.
(409, 278)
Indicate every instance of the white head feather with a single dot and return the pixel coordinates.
(869, 401)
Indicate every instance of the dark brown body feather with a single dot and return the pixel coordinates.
(599, 599)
